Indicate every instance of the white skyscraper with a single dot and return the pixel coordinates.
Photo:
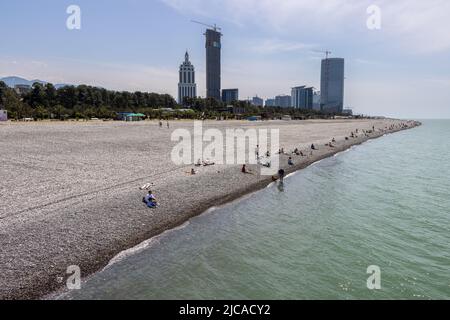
(186, 86)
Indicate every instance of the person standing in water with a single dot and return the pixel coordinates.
(281, 174)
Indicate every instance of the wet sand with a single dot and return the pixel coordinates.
(70, 191)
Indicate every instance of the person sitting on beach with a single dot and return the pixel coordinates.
(267, 164)
(199, 163)
(301, 153)
(245, 170)
(150, 200)
(193, 171)
(313, 147)
(268, 154)
(290, 162)
(334, 140)
(296, 151)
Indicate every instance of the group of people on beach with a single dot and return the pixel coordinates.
(150, 199)
(161, 124)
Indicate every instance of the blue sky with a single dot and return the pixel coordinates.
(269, 46)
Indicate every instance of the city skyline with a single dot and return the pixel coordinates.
(392, 71)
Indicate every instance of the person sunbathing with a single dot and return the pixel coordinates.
(150, 200)
(208, 163)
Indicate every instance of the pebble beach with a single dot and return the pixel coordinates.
(70, 191)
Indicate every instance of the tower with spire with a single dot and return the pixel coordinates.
(186, 84)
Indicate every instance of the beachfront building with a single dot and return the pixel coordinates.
(270, 103)
(302, 97)
(332, 85)
(213, 49)
(316, 100)
(130, 116)
(257, 101)
(3, 115)
(22, 89)
(283, 101)
(186, 85)
(230, 95)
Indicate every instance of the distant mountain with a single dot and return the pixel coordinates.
(13, 81)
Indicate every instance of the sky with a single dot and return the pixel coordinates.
(401, 69)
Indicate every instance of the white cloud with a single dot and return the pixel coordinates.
(418, 25)
(270, 46)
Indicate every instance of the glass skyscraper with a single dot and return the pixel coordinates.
(332, 85)
(213, 48)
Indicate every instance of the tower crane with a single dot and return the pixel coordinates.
(214, 27)
(327, 53)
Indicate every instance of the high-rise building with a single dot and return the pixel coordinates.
(230, 95)
(3, 115)
(332, 85)
(257, 101)
(316, 100)
(213, 48)
(283, 101)
(302, 97)
(186, 85)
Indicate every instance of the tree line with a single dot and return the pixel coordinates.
(44, 101)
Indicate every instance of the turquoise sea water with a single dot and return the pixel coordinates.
(384, 203)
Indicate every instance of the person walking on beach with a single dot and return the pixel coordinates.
(168, 125)
(160, 123)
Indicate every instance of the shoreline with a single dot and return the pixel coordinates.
(95, 261)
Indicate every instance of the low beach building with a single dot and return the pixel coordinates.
(3, 115)
(130, 116)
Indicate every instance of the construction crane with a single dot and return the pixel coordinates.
(214, 27)
(327, 53)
